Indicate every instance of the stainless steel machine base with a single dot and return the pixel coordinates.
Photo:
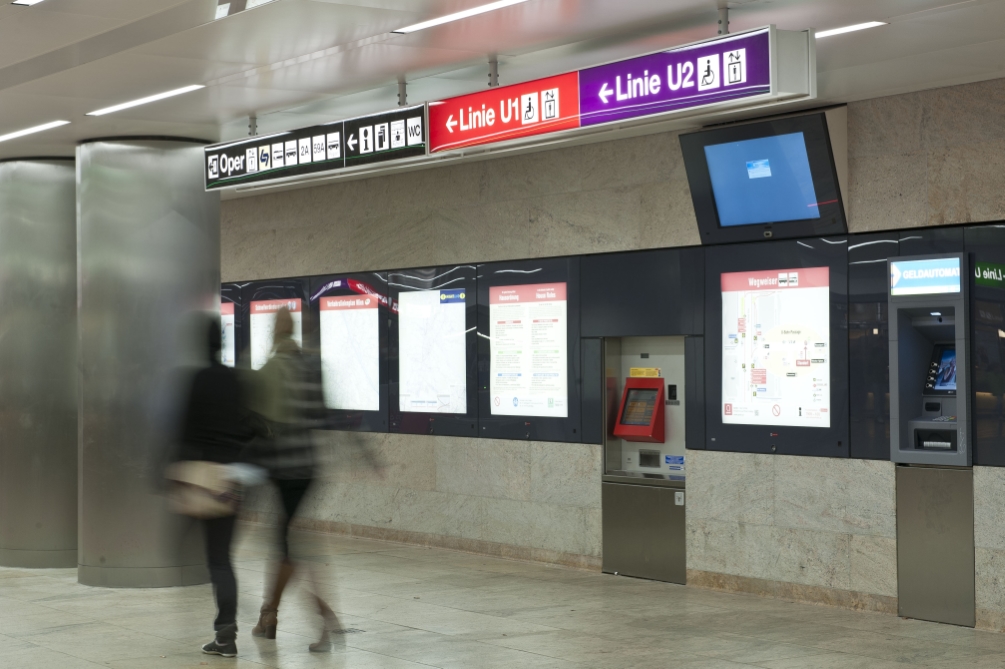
(644, 531)
(935, 544)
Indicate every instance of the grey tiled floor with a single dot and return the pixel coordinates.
(413, 607)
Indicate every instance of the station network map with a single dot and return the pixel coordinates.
(776, 347)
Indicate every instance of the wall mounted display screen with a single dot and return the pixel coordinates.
(262, 327)
(763, 180)
(776, 353)
(639, 406)
(925, 277)
(770, 179)
(528, 332)
(432, 351)
(228, 331)
(350, 351)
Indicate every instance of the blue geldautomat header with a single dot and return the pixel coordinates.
(925, 277)
(451, 296)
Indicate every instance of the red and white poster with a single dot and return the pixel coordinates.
(776, 347)
(228, 338)
(521, 110)
(528, 328)
(350, 352)
(263, 322)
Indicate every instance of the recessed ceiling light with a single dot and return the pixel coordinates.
(936, 313)
(474, 11)
(850, 29)
(26, 3)
(146, 100)
(32, 130)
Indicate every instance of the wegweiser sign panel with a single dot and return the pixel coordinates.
(521, 110)
(726, 69)
(776, 347)
(368, 139)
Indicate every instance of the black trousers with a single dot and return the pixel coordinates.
(219, 537)
(291, 494)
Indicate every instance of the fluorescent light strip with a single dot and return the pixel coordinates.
(32, 130)
(474, 11)
(146, 100)
(850, 29)
(26, 3)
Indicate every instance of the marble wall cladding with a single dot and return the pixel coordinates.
(930, 158)
(808, 521)
(989, 545)
(530, 494)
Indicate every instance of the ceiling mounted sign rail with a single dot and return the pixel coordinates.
(731, 72)
(377, 138)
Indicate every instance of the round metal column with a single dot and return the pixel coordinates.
(38, 403)
(148, 256)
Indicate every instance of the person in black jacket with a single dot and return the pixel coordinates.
(218, 427)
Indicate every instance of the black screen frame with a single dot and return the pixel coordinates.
(537, 428)
(434, 278)
(811, 441)
(832, 219)
(321, 287)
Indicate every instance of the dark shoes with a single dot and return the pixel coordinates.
(224, 644)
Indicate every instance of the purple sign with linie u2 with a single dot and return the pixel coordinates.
(721, 70)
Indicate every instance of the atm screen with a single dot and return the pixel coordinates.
(942, 371)
(945, 379)
(639, 406)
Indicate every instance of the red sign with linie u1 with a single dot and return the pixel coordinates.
(510, 112)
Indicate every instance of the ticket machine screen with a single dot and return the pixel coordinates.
(941, 378)
(639, 406)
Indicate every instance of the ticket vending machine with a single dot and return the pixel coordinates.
(930, 427)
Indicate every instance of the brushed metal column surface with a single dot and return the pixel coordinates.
(148, 257)
(38, 403)
(935, 544)
(644, 532)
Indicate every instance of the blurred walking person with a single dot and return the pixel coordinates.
(217, 431)
(289, 396)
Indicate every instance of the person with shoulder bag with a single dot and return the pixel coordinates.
(210, 473)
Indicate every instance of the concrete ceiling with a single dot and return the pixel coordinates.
(298, 62)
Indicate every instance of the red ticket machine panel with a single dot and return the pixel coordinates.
(642, 415)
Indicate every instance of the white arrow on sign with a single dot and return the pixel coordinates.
(351, 142)
(605, 92)
(451, 123)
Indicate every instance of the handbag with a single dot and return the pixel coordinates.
(203, 489)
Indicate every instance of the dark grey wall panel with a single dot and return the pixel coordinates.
(643, 293)
(868, 344)
(694, 370)
(593, 390)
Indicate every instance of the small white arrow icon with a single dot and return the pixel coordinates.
(605, 92)
(351, 142)
(451, 123)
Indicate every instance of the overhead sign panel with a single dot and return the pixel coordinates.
(521, 110)
(368, 139)
(721, 70)
(925, 277)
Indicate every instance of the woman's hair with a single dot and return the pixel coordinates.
(214, 336)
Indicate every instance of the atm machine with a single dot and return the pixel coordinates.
(930, 429)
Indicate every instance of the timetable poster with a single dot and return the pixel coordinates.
(776, 347)
(228, 336)
(432, 367)
(528, 327)
(350, 352)
(263, 324)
